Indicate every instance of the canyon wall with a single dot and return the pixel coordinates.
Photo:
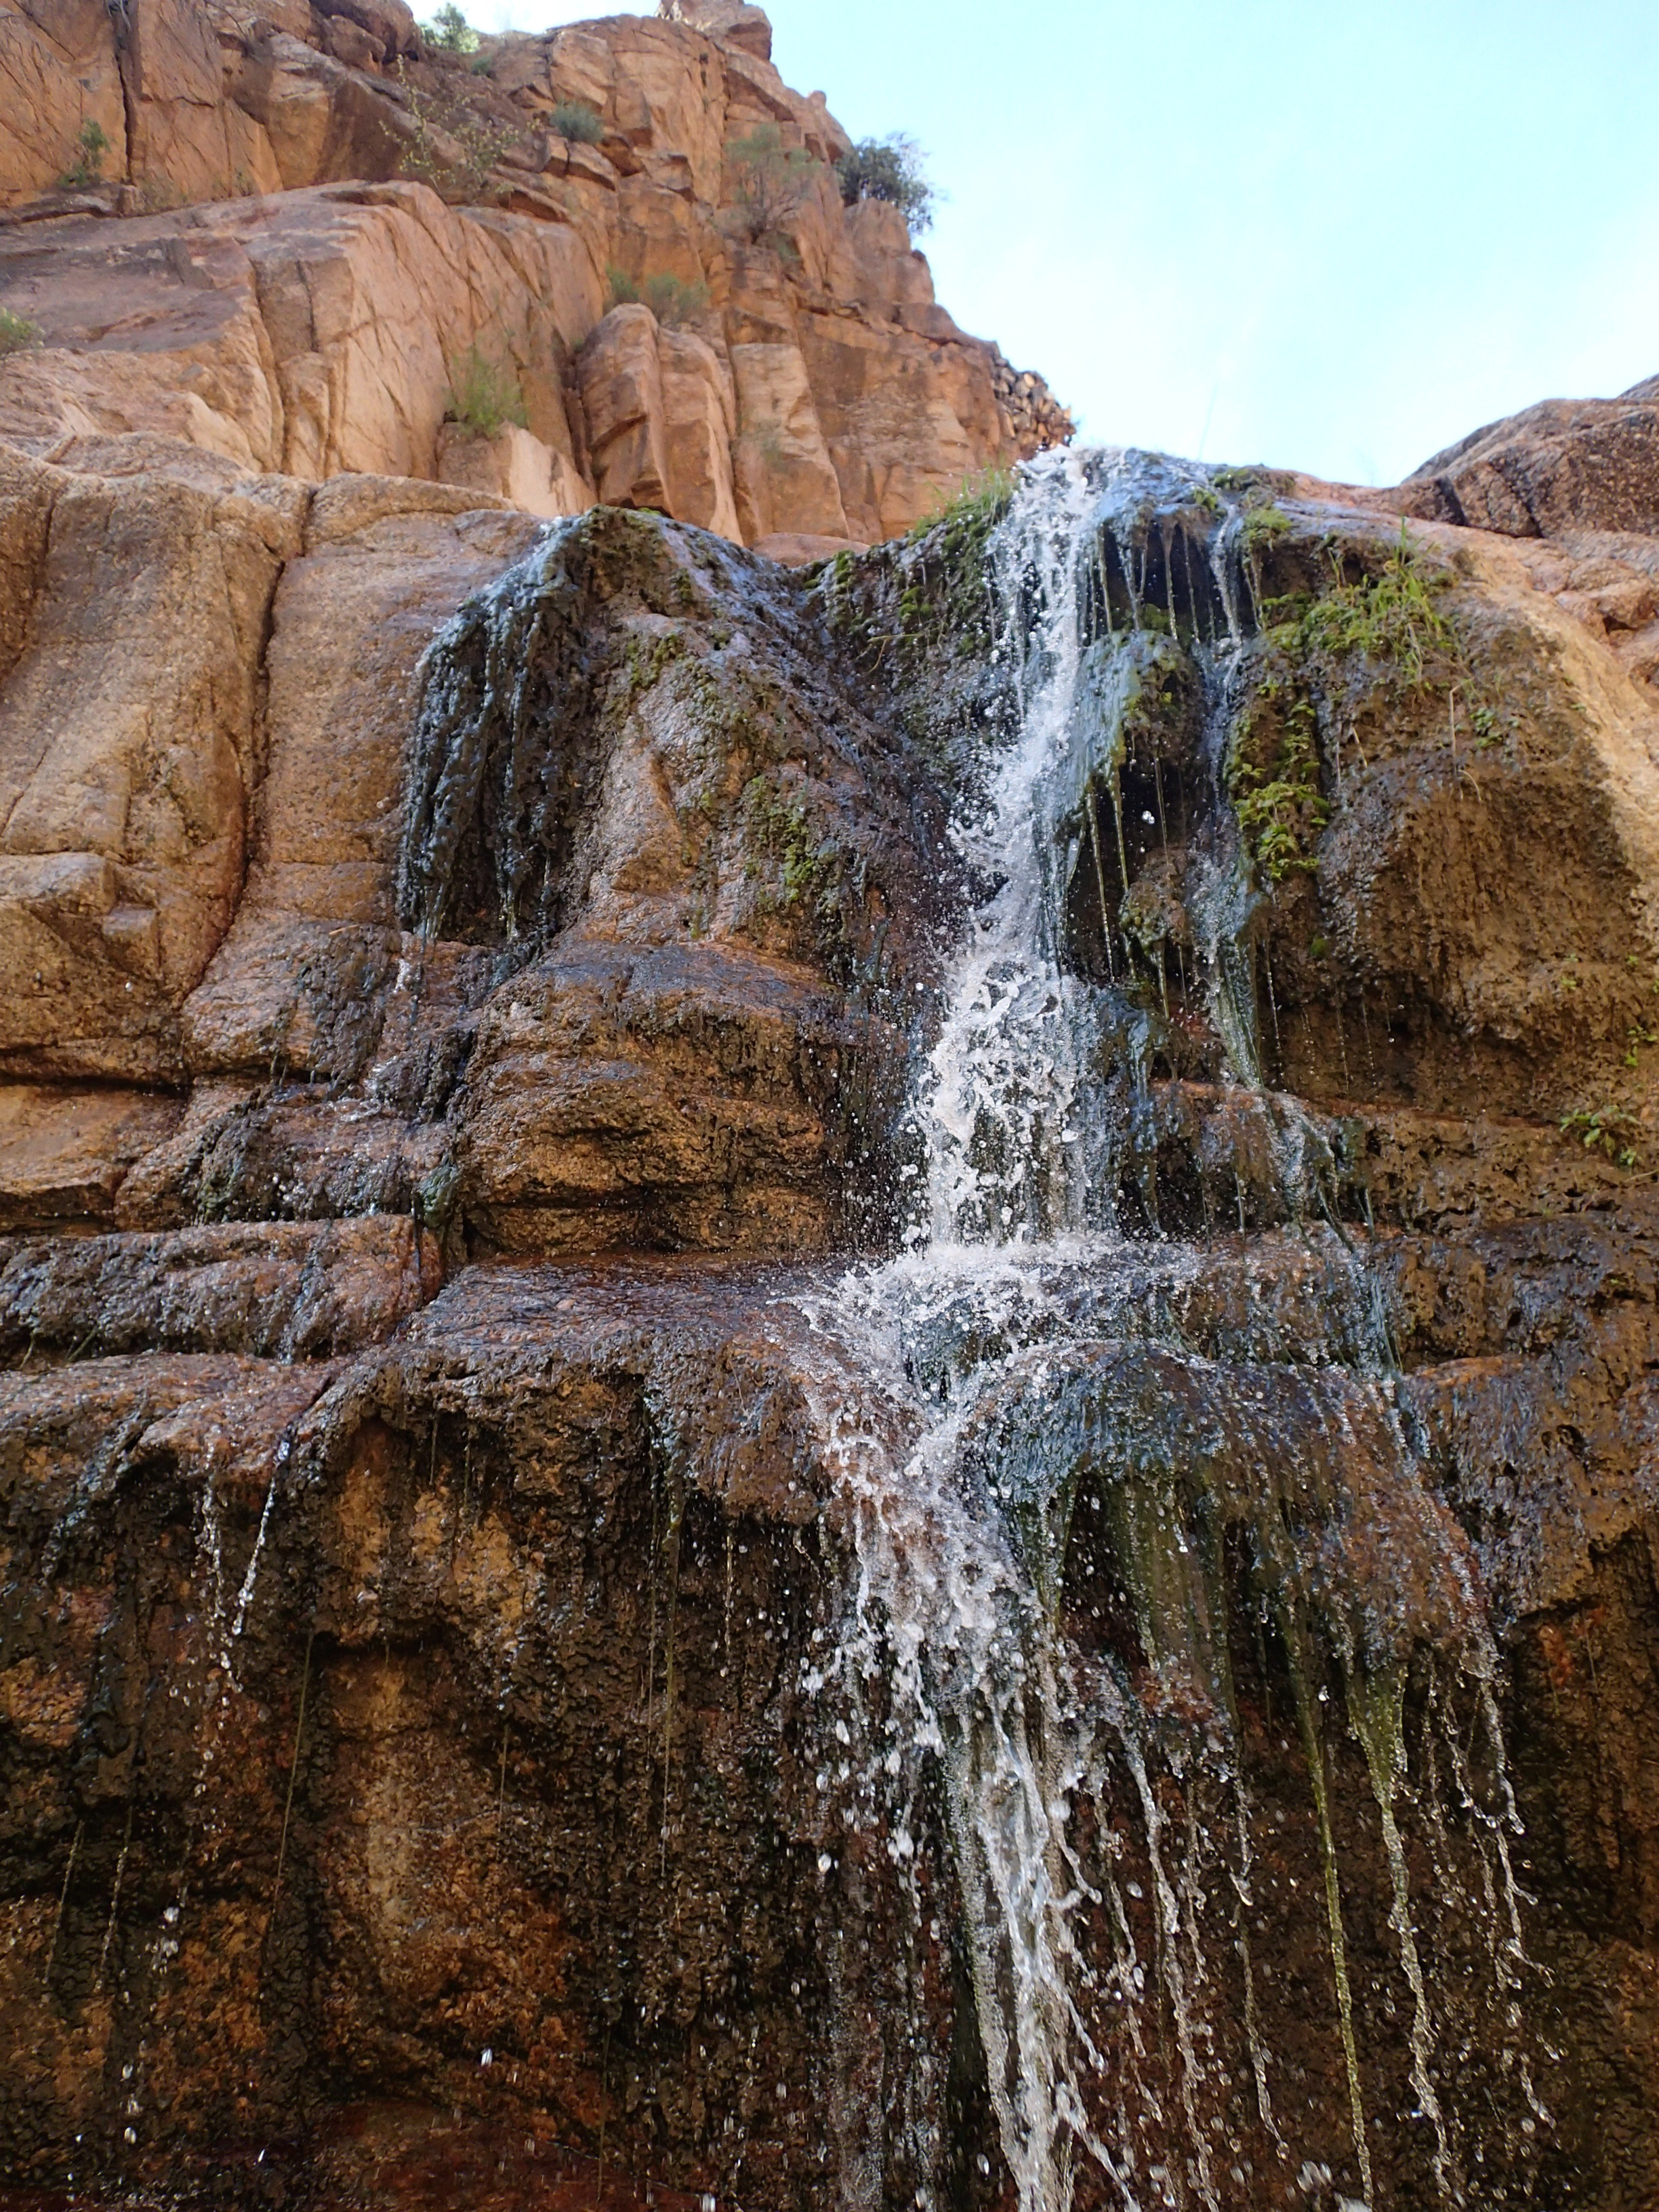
(311, 242)
(464, 991)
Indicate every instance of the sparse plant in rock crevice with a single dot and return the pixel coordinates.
(1274, 788)
(770, 182)
(88, 167)
(484, 395)
(452, 148)
(576, 123)
(17, 333)
(672, 300)
(889, 169)
(1608, 1130)
(970, 515)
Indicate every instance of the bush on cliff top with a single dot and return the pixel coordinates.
(450, 32)
(889, 169)
(769, 181)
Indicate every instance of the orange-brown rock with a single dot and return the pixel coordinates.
(300, 309)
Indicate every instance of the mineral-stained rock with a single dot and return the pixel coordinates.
(273, 1290)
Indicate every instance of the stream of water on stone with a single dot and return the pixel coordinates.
(1034, 1366)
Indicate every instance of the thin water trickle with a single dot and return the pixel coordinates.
(1032, 1354)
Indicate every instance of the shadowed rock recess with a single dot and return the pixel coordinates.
(827, 1380)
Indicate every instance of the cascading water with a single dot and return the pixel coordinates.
(1104, 1496)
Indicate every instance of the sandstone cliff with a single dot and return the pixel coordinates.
(302, 239)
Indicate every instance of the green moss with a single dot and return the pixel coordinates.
(782, 831)
(1266, 525)
(1394, 618)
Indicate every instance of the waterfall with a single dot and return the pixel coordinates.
(1104, 1498)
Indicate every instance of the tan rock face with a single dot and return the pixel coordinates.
(812, 389)
(58, 73)
(512, 464)
(127, 760)
(741, 26)
(300, 981)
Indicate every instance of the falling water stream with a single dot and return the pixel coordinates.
(1039, 1363)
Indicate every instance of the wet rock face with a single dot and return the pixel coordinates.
(496, 1703)
(705, 870)
(510, 1656)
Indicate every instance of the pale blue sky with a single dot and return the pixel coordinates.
(1305, 232)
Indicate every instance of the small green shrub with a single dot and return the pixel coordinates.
(577, 123)
(466, 173)
(450, 32)
(484, 395)
(17, 333)
(769, 181)
(889, 169)
(671, 299)
(1608, 1130)
(88, 167)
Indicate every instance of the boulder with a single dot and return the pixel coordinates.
(1561, 466)
(389, 23)
(748, 28)
(621, 382)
